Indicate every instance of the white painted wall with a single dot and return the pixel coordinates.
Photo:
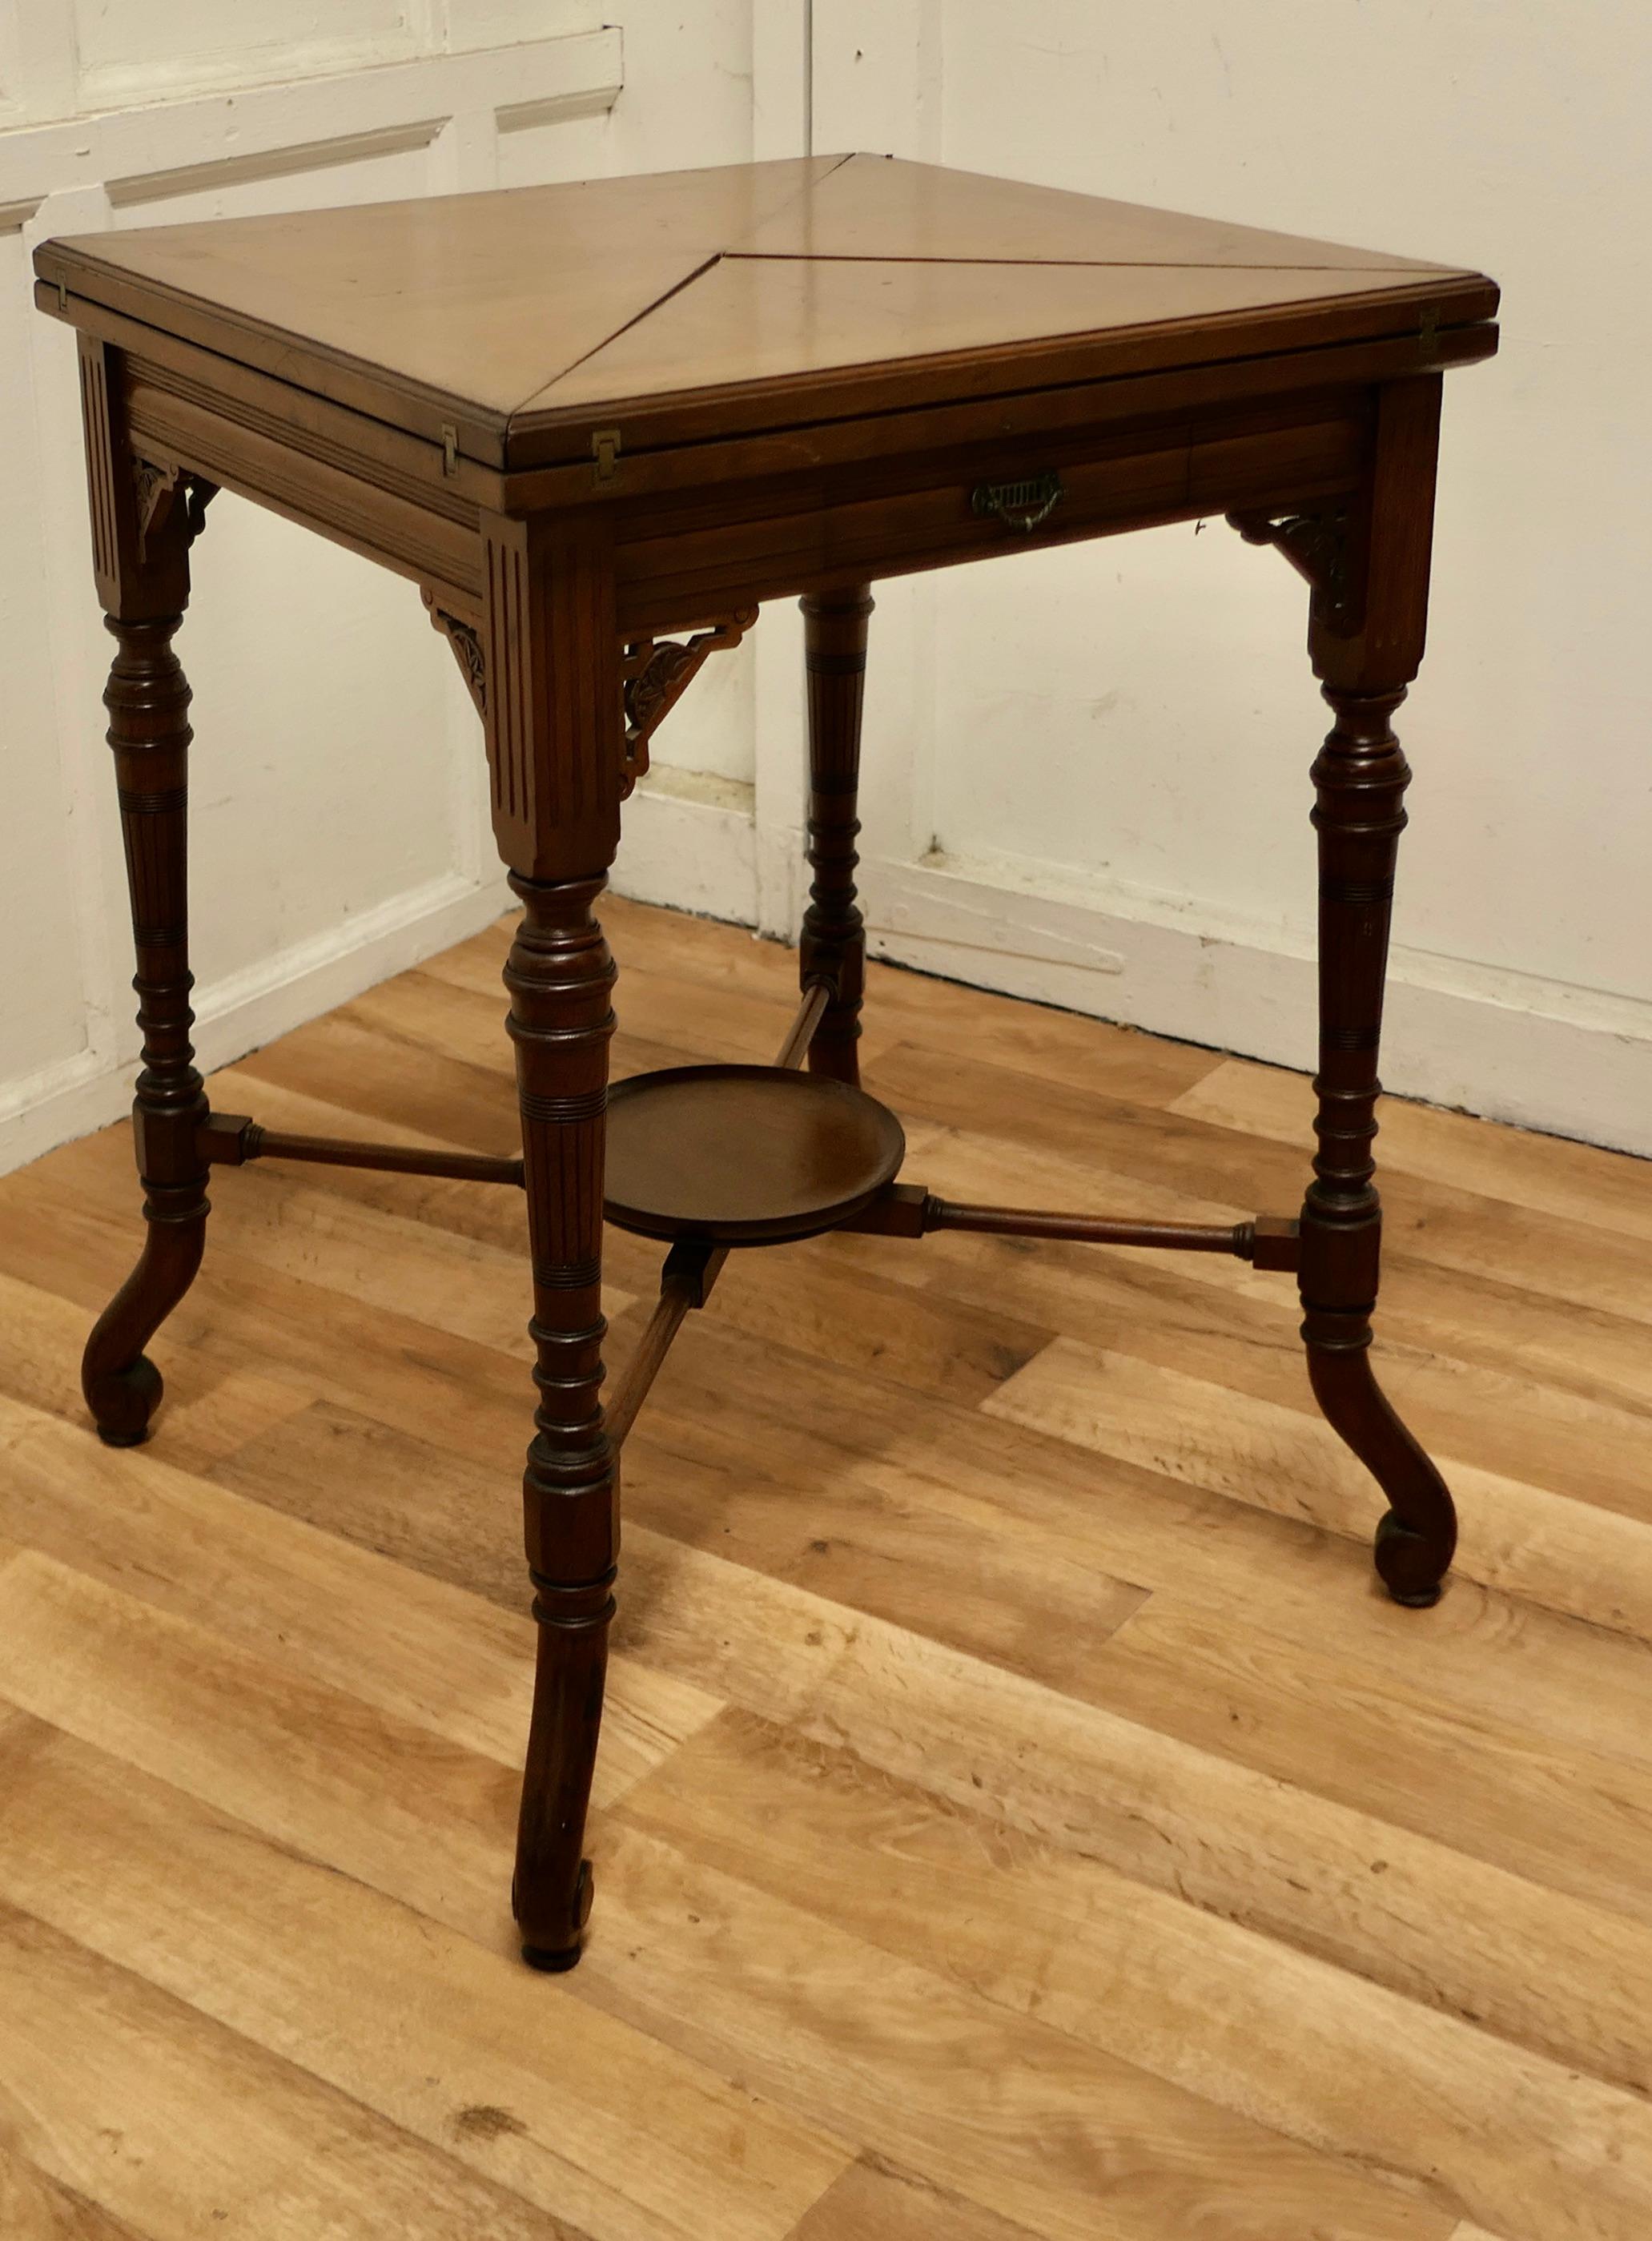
(1159, 866)
(1086, 769)
(1110, 798)
(160, 110)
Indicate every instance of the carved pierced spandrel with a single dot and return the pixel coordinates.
(160, 489)
(1318, 547)
(466, 642)
(656, 673)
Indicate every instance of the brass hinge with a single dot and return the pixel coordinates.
(450, 450)
(1428, 336)
(604, 446)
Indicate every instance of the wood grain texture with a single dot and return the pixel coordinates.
(1312, 2050)
(1020, 1816)
(832, 947)
(491, 2077)
(478, 299)
(509, 327)
(873, 2197)
(750, 322)
(851, 209)
(126, 2096)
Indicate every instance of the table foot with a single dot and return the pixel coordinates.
(552, 1964)
(122, 1386)
(557, 1960)
(123, 1400)
(1409, 1570)
(1417, 1538)
(148, 700)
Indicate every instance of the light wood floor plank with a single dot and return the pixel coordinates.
(175, 2125)
(256, 1740)
(1019, 1548)
(40, 1365)
(36, 2208)
(1042, 1535)
(350, 1619)
(1019, 1813)
(1555, 1813)
(435, 1834)
(1288, 2040)
(1541, 1968)
(872, 2199)
(1017, 2116)
(697, 967)
(481, 2065)
(1569, 1556)
(1522, 1346)
(317, 1338)
(1545, 1174)
(1471, 1235)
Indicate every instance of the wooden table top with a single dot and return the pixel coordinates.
(752, 297)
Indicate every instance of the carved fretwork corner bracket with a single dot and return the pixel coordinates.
(656, 673)
(1318, 547)
(466, 642)
(160, 491)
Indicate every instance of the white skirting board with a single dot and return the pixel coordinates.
(1507, 1046)
(690, 840)
(236, 1015)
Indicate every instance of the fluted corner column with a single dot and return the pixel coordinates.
(548, 654)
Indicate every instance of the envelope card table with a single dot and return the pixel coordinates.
(598, 425)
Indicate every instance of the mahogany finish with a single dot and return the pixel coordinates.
(561, 977)
(596, 425)
(745, 1155)
(692, 1265)
(833, 947)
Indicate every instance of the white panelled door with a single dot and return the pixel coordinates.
(318, 684)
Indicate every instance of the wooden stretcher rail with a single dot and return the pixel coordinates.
(908, 1210)
(229, 1140)
(692, 1267)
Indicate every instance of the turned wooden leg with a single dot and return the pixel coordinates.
(148, 700)
(1371, 572)
(549, 657)
(833, 947)
(1360, 777)
(143, 519)
(560, 977)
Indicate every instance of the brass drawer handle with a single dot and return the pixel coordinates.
(1024, 505)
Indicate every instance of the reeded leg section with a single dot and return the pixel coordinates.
(1360, 777)
(560, 978)
(148, 700)
(834, 947)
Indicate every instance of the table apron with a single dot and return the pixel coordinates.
(925, 516)
(385, 517)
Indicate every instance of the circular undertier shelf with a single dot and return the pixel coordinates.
(744, 1154)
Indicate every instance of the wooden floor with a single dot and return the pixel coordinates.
(1019, 1814)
